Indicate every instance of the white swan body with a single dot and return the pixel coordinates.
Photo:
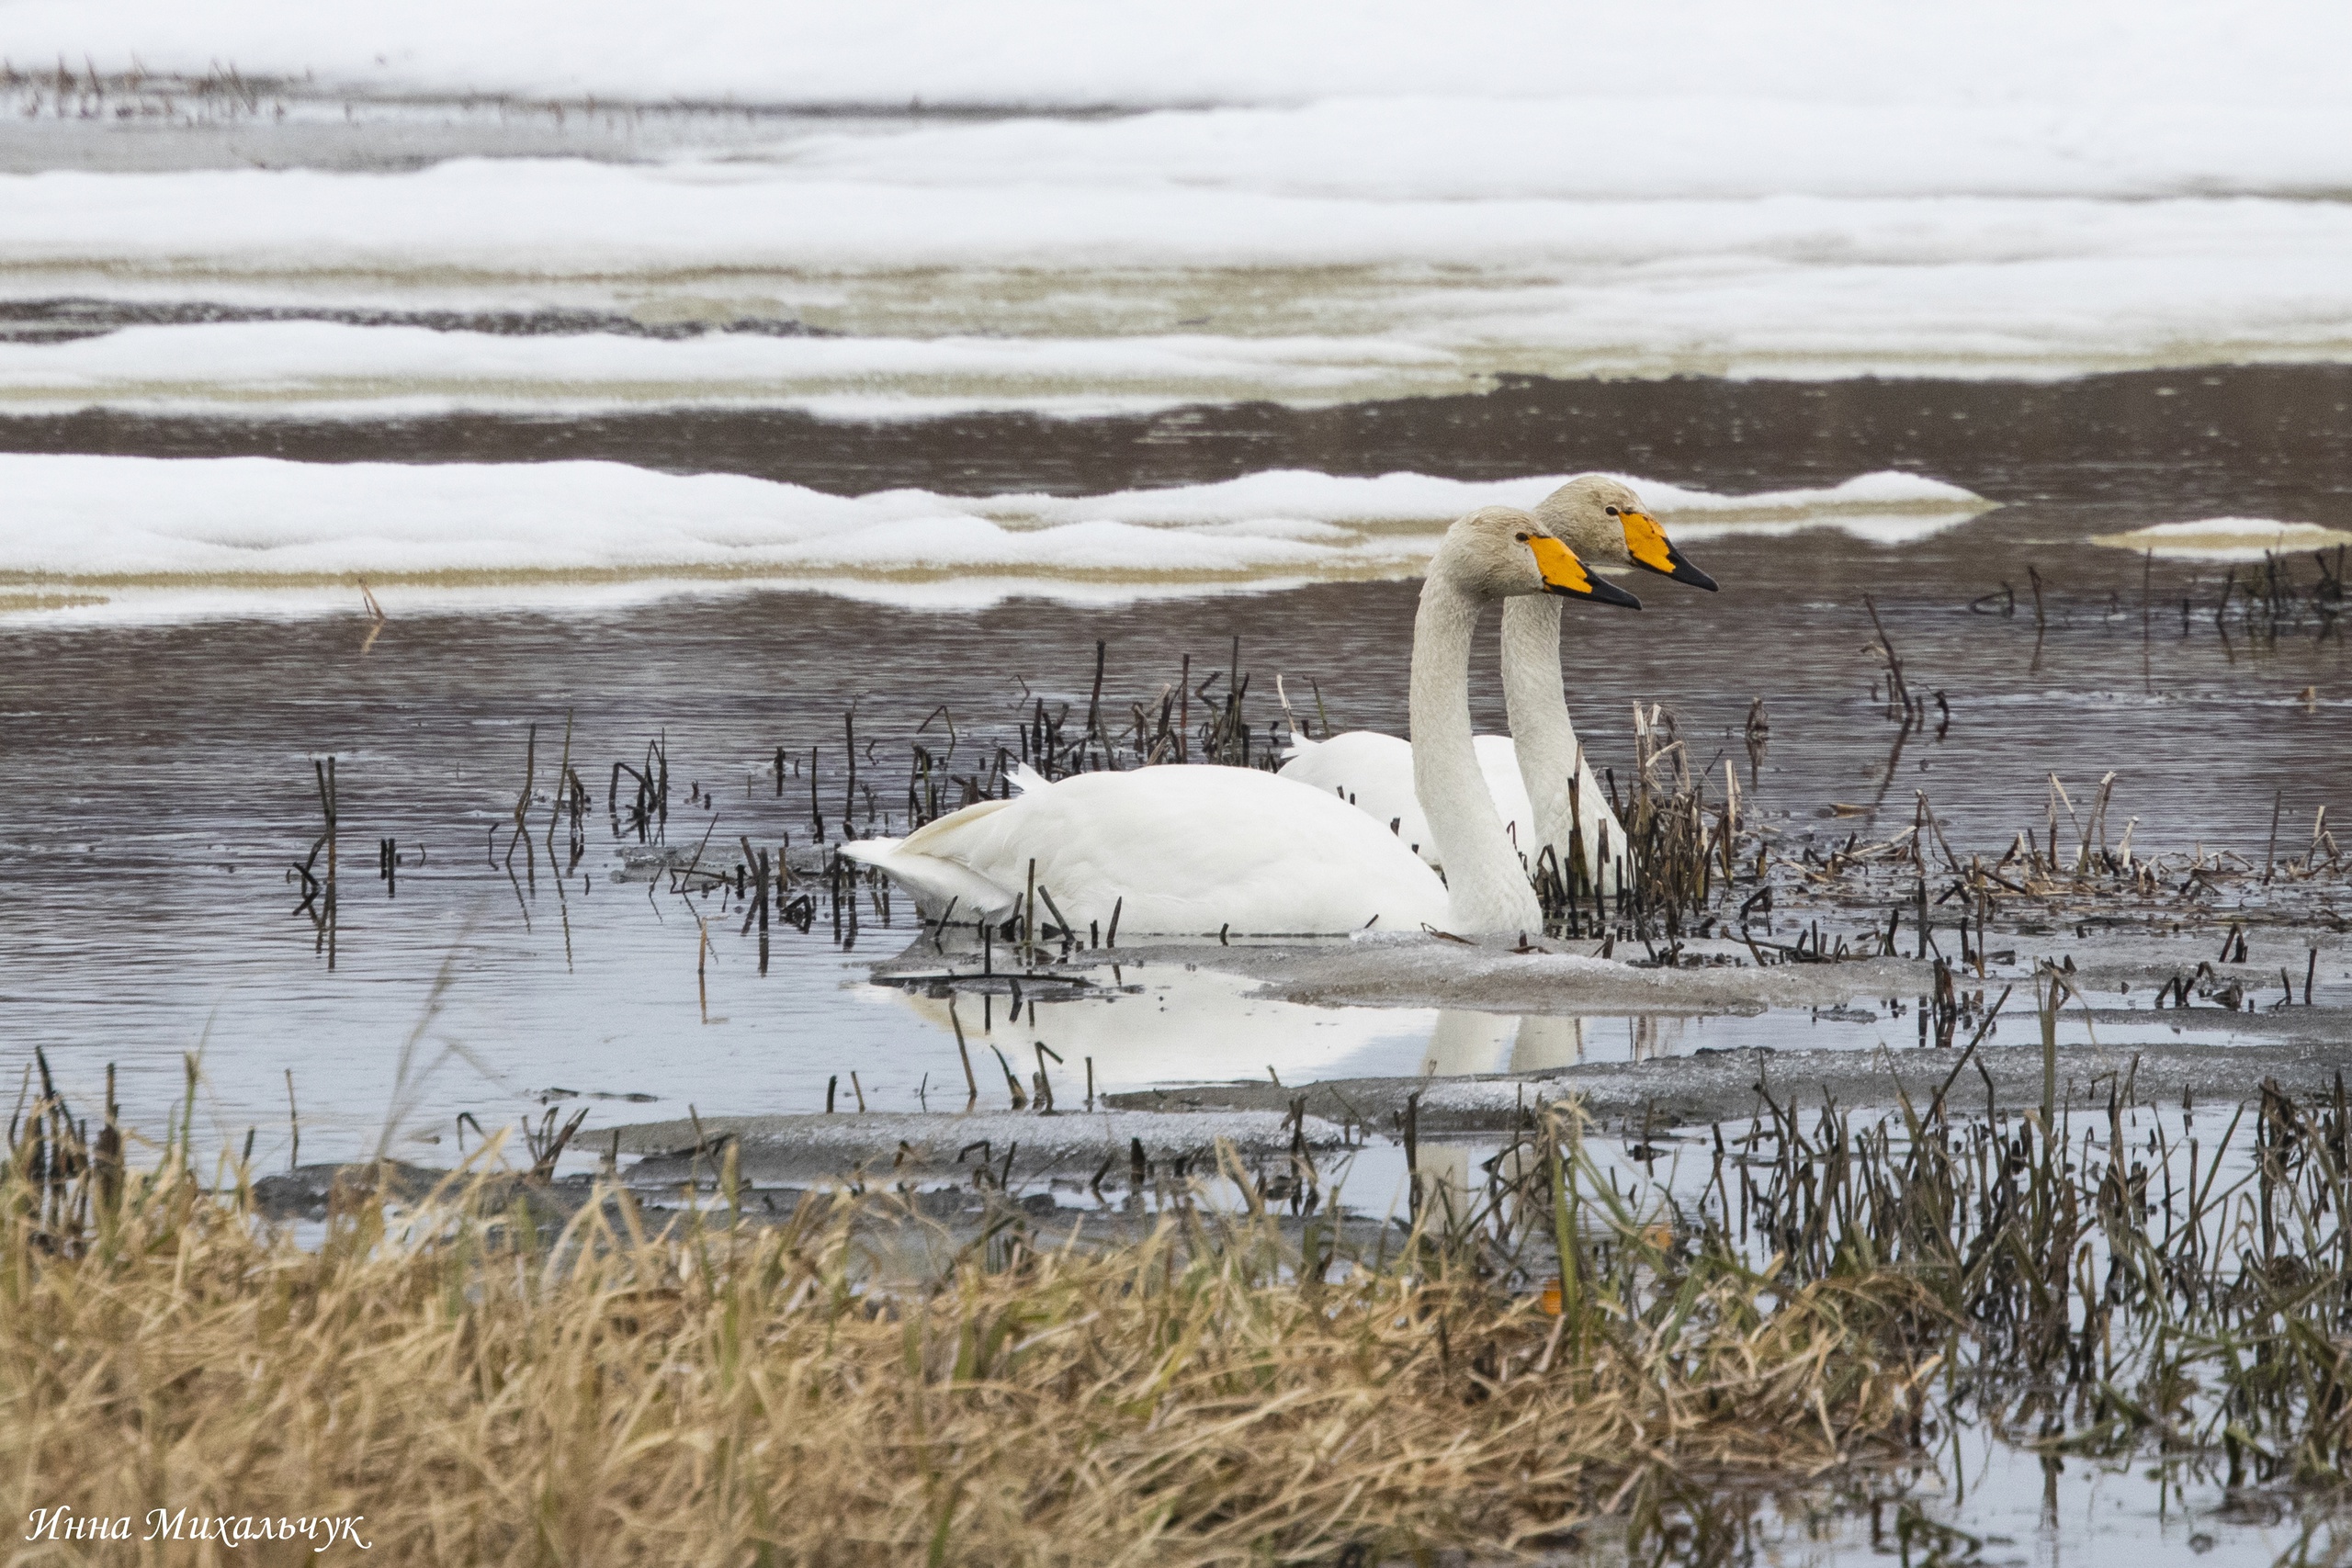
(1173, 850)
(1374, 773)
(1528, 772)
(1181, 849)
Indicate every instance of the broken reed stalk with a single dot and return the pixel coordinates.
(562, 779)
(963, 1053)
(1898, 691)
(702, 964)
(522, 834)
(328, 918)
(1094, 702)
(849, 749)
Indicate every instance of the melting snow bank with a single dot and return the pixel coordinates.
(167, 535)
(1325, 201)
(977, 286)
(2227, 538)
(329, 370)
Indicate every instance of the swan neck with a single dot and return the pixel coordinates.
(1486, 886)
(1546, 738)
(1541, 731)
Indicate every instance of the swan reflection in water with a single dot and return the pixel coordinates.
(1162, 1023)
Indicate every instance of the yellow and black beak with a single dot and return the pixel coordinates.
(1647, 542)
(1567, 576)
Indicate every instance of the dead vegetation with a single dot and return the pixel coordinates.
(1545, 1350)
(1215, 1389)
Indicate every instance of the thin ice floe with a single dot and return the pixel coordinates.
(164, 535)
(328, 370)
(2227, 538)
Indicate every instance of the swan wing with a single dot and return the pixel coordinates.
(1185, 850)
(1373, 773)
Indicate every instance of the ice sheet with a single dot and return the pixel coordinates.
(187, 532)
(2227, 538)
(963, 280)
(322, 368)
(2058, 65)
(1317, 202)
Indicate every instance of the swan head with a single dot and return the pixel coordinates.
(1500, 552)
(1602, 520)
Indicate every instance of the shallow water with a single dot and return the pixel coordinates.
(164, 781)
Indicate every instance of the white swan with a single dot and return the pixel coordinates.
(1181, 849)
(1374, 773)
(1602, 521)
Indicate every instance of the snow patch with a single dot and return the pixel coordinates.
(185, 532)
(2227, 538)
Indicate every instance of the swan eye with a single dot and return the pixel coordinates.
(1522, 538)
(1612, 511)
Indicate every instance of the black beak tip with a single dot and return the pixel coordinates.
(1677, 570)
(1604, 592)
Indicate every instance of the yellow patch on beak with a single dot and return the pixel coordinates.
(1563, 573)
(1647, 542)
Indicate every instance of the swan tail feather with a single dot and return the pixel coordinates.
(932, 836)
(936, 883)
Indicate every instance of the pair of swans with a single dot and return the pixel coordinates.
(1603, 522)
(1187, 850)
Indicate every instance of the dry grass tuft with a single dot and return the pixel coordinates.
(486, 1390)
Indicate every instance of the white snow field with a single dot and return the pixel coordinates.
(1136, 206)
(180, 535)
(2071, 61)
(1079, 299)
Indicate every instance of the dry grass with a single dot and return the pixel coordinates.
(487, 1391)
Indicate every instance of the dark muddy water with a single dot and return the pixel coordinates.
(2261, 441)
